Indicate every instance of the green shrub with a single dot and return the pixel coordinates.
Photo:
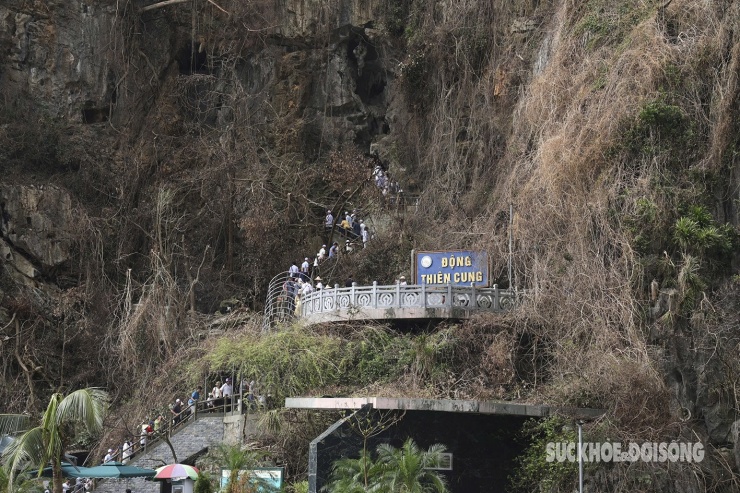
(285, 363)
(533, 471)
(661, 128)
(203, 483)
(299, 487)
(696, 232)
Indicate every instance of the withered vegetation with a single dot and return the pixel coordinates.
(610, 127)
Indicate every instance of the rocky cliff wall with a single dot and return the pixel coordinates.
(171, 158)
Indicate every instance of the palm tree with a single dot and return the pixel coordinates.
(404, 470)
(408, 469)
(354, 475)
(235, 459)
(47, 442)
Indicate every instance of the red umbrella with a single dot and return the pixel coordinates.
(176, 471)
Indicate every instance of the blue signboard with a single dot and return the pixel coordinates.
(457, 267)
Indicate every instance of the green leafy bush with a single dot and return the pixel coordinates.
(697, 233)
(534, 472)
(285, 363)
(203, 483)
(661, 128)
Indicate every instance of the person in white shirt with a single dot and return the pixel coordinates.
(109, 456)
(307, 289)
(329, 221)
(126, 452)
(305, 266)
(319, 286)
(216, 392)
(226, 389)
(402, 281)
(227, 392)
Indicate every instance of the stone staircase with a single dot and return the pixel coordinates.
(189, 440)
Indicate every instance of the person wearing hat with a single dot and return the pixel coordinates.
(348, 247)
(322, 253)
(334, 250)
(176, 409)
(319, 286)
(329, 221)
(227, 390)
(109, 456)
(402, 281)
(305, 266)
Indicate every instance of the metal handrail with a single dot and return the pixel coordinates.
(279, 304)
(215, 407)
(409, 296)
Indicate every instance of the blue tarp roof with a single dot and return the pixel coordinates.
(107, 470)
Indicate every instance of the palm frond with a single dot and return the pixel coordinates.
(51, 427)
(12, 424)
(87, 406)
(25, 451)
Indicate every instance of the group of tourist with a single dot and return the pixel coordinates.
(383, 181)
(300, 282)
(294, 289)
(81, 485)
(219, 398)
(351, 227)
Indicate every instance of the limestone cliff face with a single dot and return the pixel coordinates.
(57, 53)
(90, 62)
(38, 224)
(155, 161)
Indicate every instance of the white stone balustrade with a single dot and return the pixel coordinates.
(415, 301)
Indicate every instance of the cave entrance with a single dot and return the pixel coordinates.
(192, 59)
(370, 79)
(94, 115)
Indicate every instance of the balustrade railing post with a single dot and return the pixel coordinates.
(496, 301)
(398, 294)
(473, 300)
(336, 297)
(423, 294)
(375, 294)
(352, 294)
(321, 300)
(449, 294)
